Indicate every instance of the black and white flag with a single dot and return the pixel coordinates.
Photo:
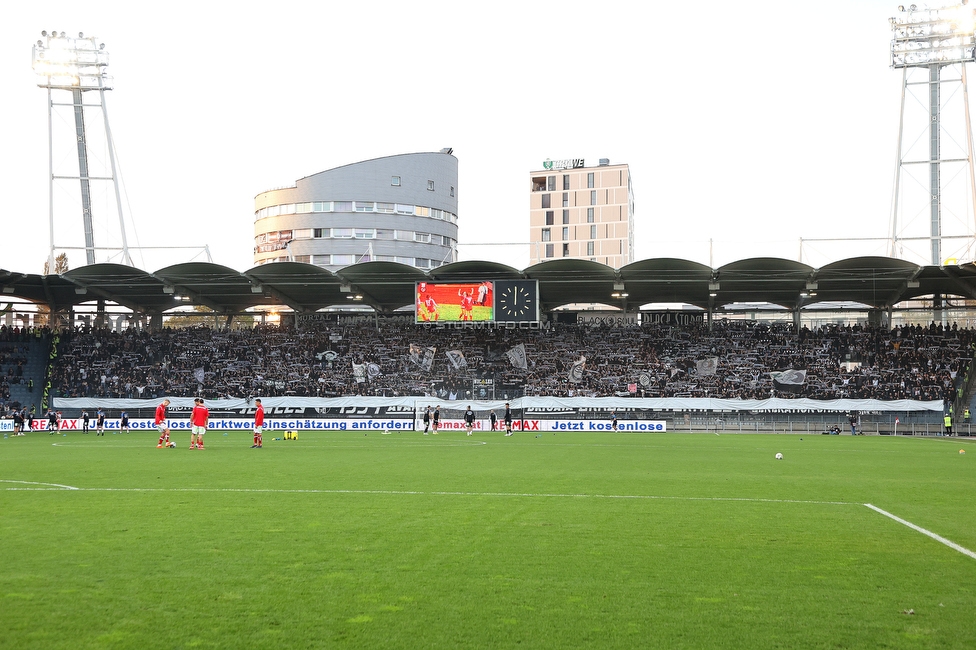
(707, 366)
(456, 357)
(644, 379)
(416, 354)
(517, 356)
(428, 361)
(576, 371)
(359, 372)
(373, 371)
(790, 381)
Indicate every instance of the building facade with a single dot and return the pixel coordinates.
(399, 209)
(581, 212)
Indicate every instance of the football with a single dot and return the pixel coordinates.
(779, 456)
(962, 451)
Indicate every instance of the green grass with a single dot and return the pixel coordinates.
(405, 541)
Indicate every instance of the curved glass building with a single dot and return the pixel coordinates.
(399, 209)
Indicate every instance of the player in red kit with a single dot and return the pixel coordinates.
(258, 424)
(430, 308)
(467, 304)
(198, 423)
(160, 422)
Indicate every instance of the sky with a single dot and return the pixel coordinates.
(748, 128)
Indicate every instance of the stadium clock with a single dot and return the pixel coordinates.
(517, 301)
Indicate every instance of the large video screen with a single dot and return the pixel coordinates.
(454, 302)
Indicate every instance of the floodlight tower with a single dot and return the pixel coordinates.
(925, 41)
(77, 66)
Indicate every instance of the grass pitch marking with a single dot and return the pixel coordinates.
(46, 485)
(938, 538)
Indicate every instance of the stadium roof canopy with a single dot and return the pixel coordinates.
(386, 286)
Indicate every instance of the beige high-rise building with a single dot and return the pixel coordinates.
(581, 212)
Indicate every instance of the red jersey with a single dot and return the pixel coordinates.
(160, 414)
(259, 416)
(199, 416)
(467, 302)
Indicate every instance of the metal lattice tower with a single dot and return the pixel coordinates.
(931, 46)
(76, 67)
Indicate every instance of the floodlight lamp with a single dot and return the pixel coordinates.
(256, 288)
(168, 288)
(712, 294)
(81, 291)
(8, 289)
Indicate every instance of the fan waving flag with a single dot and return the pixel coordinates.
(707, 366)
(790, 381)
(456, 357)
(576, 371)
(517, 356)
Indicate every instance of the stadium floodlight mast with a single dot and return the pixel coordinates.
(931, 38)
(77, 66)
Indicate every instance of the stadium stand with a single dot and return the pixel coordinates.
(733, 360)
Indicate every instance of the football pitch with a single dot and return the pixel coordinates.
(534, 541)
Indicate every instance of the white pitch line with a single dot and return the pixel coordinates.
(449, 493)
(57, 485)
(938, 538)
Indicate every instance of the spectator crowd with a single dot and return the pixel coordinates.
(733, 359)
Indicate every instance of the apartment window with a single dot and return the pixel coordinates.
(404, 209)
(593, 197)
(422, 211)
(452, 190)
(546, 200)
(422, 236)
(365, 233)
(319, 233)
(589, 215)
(343, 206)
(589, 180)
(546, 234)
(550, 250)
(343, 260)
(395, 181)
(565, 216)
(565, 233)
(303, 208)
(549, 217)
(364, 206)
(304, 258)
(538, 183)
(430, 186)
(322, 206)
(342, 233)
(565, 181)
(565, 250)
(593, 232)
(565, 199)
(589, 248)
(551, 184)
